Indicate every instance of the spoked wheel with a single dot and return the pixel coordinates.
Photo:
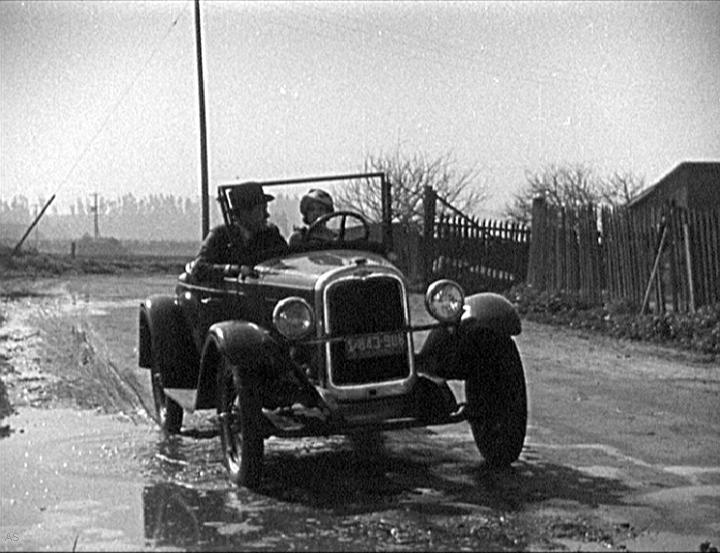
(241, 437)
(168, 413)
(497, 402)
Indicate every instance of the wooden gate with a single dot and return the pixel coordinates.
(478, 255)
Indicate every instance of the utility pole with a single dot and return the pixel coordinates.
(17, 247)
(203, 129)
(37, 238)
(95, 211)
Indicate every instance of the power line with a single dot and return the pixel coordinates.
(420, 45)
(420, 48)
(421, 42)
(120, 99)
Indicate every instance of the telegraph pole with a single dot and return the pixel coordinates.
(95, 211)
(203, 129)
(37, 227)
(17, 247)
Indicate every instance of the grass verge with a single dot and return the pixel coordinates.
(698, 332)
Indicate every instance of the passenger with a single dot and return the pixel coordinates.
(313, 205)
(245, 241)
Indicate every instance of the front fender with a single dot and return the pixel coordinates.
(491, 312)
(240, 343)
(455, 352)
(162, 332)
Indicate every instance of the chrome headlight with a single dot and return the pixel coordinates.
(444, 300)
(293, 318)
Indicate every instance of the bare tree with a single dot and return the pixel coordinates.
(621, 187)
(572, 186)
(408, 177)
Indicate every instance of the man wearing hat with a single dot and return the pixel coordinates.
(244, 240)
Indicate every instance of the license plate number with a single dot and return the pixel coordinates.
(373, 345)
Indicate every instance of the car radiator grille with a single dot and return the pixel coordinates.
(369, 306)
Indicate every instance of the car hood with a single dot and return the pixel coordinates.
(304, 269)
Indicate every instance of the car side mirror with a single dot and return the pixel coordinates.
(247, 271)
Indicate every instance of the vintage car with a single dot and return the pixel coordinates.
(317, 340)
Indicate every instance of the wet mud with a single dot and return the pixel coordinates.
(85, 468)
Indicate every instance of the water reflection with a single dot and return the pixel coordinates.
(173, 515)
(330, 494)
(169, 515)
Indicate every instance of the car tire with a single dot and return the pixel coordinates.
(168, 413)
(240, 426)
(497, 405)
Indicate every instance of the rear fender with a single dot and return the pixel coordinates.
(260, 359)
(456, 352)
(161, 325)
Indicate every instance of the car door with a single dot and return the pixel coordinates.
(205, 304)
(218, 303)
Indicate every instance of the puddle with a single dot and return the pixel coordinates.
(85, 481)
(98, 308)
(602, 471)
(668, 541)
(67, 479)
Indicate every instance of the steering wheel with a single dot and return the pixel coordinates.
(321, 232)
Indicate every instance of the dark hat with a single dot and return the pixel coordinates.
(247, 195)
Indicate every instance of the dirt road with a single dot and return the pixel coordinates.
(622, 452)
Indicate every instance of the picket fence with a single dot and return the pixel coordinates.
(666, 259)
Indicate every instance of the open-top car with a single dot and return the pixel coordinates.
(317, 340)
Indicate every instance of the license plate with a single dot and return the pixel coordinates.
(374, 345)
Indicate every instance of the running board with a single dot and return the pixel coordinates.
(296, 429)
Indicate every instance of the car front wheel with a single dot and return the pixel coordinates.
(497, 405)
(240, 421)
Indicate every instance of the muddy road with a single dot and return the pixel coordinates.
(622, 452)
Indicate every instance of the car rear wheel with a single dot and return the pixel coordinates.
(497, 403)
(240, 421)
(168, 413)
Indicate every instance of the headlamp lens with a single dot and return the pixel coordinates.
(293, 318)
(444, 300)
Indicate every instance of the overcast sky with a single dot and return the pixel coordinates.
(102, 96)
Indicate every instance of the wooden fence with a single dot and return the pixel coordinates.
(565, 252)
(663, 259)
(480, 255)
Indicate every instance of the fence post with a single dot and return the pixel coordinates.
(428, 233)
(688, 260)
(536, 274)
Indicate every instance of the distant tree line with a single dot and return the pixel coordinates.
(149, 218)
(161, 217)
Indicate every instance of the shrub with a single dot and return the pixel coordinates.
(699, 331)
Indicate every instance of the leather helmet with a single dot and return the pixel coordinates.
(316, 195)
